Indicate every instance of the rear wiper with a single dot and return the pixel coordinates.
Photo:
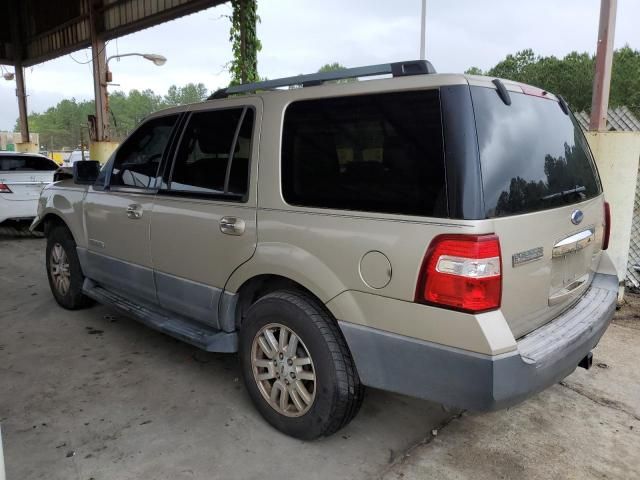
(565, 193)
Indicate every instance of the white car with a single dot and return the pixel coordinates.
(74, 157)
(22, 178)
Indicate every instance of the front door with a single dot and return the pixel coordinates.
(118, 214)
(203, 224)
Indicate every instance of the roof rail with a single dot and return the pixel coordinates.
(397, 69)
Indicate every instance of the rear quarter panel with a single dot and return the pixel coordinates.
(322, 250)
(65, 200)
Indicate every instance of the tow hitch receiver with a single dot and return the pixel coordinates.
(587, 361)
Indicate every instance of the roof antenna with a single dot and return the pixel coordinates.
(503, 93)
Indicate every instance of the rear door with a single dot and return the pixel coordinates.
(118, 215)
(25, 176)
(204, 218)
(542, 189)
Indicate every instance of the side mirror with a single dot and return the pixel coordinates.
(85, 172)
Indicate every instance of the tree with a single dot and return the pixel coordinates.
(65, 124)
(245, 44)
(572, 76)
(336, 67)
(190, 93)
(331, 67)
(625, 79)
(473, 71)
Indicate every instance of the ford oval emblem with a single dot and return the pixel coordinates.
(576, 217)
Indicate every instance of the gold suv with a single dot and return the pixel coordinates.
(436, 235)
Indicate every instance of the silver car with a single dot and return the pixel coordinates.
(437, 235)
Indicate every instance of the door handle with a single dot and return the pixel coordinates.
(232, 225)
(134, 211)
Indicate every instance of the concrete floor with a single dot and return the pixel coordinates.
(92, 395)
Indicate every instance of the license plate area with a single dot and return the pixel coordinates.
(570, 266)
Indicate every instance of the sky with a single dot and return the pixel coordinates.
(299, 36)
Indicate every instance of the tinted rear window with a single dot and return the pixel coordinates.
(533, 156)
(26, 163)
(375, 153)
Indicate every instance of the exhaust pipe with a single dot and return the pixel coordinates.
(587, 361)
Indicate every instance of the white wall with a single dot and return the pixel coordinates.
(617, 155)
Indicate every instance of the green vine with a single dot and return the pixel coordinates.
(245, 42)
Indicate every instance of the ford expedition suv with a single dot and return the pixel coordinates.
(437, 235)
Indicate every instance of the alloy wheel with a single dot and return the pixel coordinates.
(59, 268)
(283, 370)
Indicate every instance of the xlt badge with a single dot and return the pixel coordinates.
(527, 256)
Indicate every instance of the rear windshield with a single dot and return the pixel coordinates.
(533, 156)
(373, 153)
(26, 163)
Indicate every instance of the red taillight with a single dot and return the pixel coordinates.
(462, 272)
(4, 188)
(607, 226)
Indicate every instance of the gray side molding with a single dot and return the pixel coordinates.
(227, 311)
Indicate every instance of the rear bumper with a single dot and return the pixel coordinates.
(18, 209)
(480, 382)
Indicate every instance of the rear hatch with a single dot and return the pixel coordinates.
(541, 187)
(24, 176)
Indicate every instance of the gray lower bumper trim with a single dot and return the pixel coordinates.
(481, 382)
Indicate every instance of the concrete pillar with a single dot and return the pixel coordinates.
(27, 147)
(604, 60)
(423, 30)
(100, 147)
(101, 151)
(99, 55)
(22, 102)
(617, 155)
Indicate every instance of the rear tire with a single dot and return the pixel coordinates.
(63, 269)
(323, 390)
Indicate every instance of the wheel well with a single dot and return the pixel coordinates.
(49, 221)
(259, 286)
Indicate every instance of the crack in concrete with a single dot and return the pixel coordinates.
(406, 453)
(605, 402)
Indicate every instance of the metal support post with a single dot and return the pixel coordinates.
(604, 60)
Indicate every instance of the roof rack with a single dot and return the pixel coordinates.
(397, 69)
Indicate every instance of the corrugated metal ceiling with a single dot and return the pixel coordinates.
(47, 29)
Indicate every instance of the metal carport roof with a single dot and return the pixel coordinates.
(35, 31)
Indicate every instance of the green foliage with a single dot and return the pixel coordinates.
(336, 67)
(60, 125)
(473, 71)
(625, 79)
(245, 44)
(572, 76)
(331, 67)
(65, 124)
(190, 93)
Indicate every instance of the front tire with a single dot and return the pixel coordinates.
(63, 269)
(297, 367)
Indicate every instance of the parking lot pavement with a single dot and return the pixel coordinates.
(90, 394)
(588, 427)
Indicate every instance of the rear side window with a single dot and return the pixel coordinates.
(213, 156)
(533, 156)
(26, 163)
(374, 153)
(137, 161)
